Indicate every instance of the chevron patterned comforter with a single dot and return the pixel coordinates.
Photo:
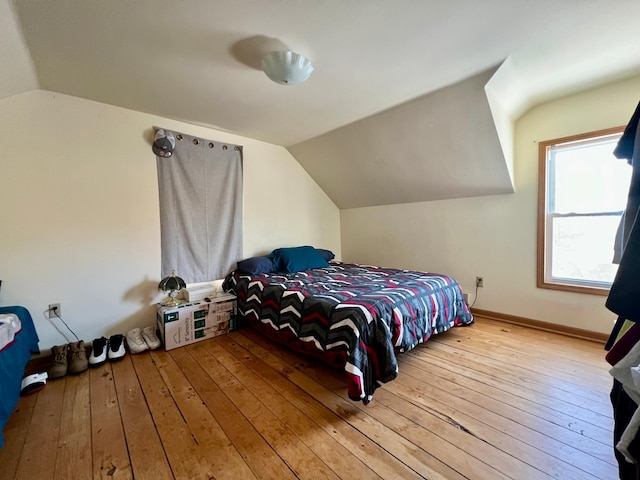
(366, 313)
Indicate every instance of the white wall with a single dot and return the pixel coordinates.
(79, 211)
(495, 236)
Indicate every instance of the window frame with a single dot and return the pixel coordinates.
(542, 260)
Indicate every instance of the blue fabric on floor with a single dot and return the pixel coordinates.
(13, 360)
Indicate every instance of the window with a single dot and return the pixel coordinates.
(582, 193)
(200, 193)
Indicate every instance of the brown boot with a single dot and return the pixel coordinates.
(77, 357)
(59, 363)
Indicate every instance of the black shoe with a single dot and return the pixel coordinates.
(116, 348)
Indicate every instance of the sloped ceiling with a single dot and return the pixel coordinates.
(198, 62)
(445, 140)
(17, 74)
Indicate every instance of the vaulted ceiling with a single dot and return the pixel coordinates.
(398, 86)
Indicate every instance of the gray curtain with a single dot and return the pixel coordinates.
(200, 188)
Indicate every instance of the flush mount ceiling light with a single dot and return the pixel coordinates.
(286, 68)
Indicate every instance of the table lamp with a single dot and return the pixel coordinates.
(171, 285)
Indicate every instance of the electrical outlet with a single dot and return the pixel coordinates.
(479, 282)
(466, 298)
(55, 310)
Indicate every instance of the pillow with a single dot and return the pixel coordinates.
(326, 254)
(256, 265)
(295, 259)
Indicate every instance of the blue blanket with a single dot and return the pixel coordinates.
(13, 360)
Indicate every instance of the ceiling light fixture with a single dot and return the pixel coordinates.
(286, 68)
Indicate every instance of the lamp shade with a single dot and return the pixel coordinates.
(172, 284)
(286, 68)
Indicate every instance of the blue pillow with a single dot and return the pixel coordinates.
(326, 254)
(256, 265)
(295, 259)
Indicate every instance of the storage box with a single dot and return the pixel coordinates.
(198, 293)
(191, 322)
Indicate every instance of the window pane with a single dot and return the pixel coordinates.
(588, 179)
(582, 248)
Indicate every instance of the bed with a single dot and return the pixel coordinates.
(355, 317)
(18, 340)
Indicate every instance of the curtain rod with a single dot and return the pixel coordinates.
(196, 141)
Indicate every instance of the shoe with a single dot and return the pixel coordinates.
(116, 348)
(77, 357)
(98, 352)
(59, 365)
(135, 342)
(150, 338)
(33, 383)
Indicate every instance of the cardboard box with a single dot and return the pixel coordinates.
(198, 293)
(195, 321)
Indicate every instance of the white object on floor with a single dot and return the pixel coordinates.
(98, 352)
(33, 383)
(135, 342)
(116, 348)
(150, 337)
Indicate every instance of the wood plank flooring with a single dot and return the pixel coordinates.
(489, 401)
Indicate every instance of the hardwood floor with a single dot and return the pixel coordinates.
(489, 401)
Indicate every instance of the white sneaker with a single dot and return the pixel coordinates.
(98, 352)
(116, 347)
(150, 337)
(135, 342)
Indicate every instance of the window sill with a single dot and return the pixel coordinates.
(574, 288)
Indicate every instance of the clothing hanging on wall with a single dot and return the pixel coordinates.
(623, 299)
(620, 296)
(624, 357)
(628, 148)
(623, 411)
(623, 344)
(624, 296)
